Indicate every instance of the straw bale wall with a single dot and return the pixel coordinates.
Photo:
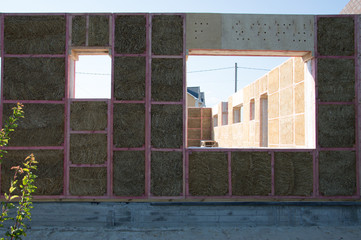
(34, 34)
(129, 78)
(136, 140)
(208, 174)
(88, 148)
(78, 31)
(167, 35)
(167, 173)
(50, 170)
(134, 26)
(88, 181)
(26, 78)
(129, 173)
(43, 125)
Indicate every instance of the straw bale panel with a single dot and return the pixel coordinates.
(206, 122)
(251, 173)
(50, 170)
(336, 125)
(194, 133)
(167, 173)
(34, 78)
(207, 112)
(43, 125)
(167, 79)
(129, 173)
(88, 181)
(336, 80)
(89, 115)
(129, 125)
(34, 34)
(126, 26)
(88, 148)
(98, 32)
(129, 78)
(207, 134)
(194, 112)
(167, 35)
(293, 174)
(208, 174)
(167, 126)
(335, 36)
(194, 123)
(337, 173)
(78, 31)
(194, 143)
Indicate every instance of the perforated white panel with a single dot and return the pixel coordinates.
(250, 32)
(204, 31)
(268, 32)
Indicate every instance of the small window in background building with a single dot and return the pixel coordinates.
(224, 113)
(215, 121)
(252, 109)
(237, 114)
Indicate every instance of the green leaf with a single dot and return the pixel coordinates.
(12, 189)
(12, 197)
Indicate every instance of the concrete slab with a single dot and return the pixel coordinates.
(222, 220)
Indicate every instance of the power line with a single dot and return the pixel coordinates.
(198, 71)
(87, 73)
(217, 69)
(250, 68)
(208, 70)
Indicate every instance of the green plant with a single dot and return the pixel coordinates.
(23, 182)
(27, 188)
(9, 127)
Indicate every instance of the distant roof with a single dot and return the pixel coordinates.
(194, 91)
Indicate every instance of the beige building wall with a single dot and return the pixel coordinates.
(284, 90)
(191, 101)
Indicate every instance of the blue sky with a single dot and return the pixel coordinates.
(225, 6)
(218, 85)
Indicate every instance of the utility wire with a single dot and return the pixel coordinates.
(198, 71)
(216, 69)
(87, 73)
(208, 70)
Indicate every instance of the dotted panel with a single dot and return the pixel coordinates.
(268, 32)
(200, 27)
(203, 31)
(250, 32)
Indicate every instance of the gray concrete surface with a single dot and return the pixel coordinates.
(196, 221)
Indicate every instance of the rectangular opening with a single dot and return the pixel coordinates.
(224, 113)
(252, 109)
(90, 74)
(264, 121)
(273, 106)
(238, 114)
(215, 120)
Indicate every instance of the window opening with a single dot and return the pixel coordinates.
(215, 120)
(264, 120)
(274, 95)
(252, 109)
(224, 113)
(92, 77)
(238, 114)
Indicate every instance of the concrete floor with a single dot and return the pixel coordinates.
(196, 220)
(246, 233)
